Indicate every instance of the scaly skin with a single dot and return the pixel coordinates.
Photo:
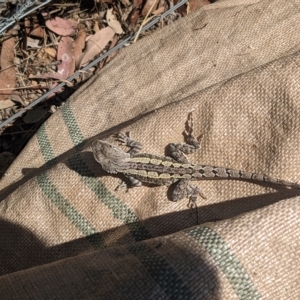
(161, 170)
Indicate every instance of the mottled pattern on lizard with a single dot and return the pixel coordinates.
(162, 170)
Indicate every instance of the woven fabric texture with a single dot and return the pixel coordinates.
(66, 232)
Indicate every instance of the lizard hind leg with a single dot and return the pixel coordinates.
(124, 186)
(184, 189)
(192, 144)
(134, 182)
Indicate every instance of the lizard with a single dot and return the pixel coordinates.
(163, 170)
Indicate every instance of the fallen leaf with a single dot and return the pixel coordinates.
(46, 76)
(137, 3)
(33, 43)
(16, 98)
(104, 1)
(148, 5)
(6, 104)
(125, 2)
(8, 73)
(66, 55)
(95, 45)
(134, 15)
(159, 11)
(50, 51)
(113, 22)
(44, 56)
(181, 10)
(33, 116)
(193, 5)
(79, 43)
(27, 25)
(33, 28)
(133, 18)
(61, 26)
(37, 31)
(96, 27)
(111, 56)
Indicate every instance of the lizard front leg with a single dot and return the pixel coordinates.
(184, 189)
(135, 147)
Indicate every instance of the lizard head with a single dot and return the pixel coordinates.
(110, 157)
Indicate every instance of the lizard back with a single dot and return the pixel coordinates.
(165, 171)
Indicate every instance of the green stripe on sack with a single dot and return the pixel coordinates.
(45, 147)
(119, 209)
(160, 270)
(53, 194)
(73, 128)
(227, 262)
(69, 211)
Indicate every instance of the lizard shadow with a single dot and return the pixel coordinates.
(229, 208)
(234, 206)
(226, 209)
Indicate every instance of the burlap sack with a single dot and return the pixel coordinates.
(236, 65)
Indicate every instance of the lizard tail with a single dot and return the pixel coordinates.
(263, 178)
(286, 183)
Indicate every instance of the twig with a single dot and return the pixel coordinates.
(25, 87)
(144, 21)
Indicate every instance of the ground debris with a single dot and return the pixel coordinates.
(49, 45)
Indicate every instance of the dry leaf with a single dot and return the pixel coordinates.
(27, 25)
(137, 3)
(33, 28)
(50, 51)
(125, 2)
(6, 104)
(193, 5)
(61, 26)
(181, 10)
(33, 43)
(79, 43)
(113, 22)
(96, 27)
(8, 75)
(111, 56)
(134, 15)
(133, 18)
(44, 56)
(95, 45)
(16, 98)
(104, 1)
(159, 11)
(46, 76)
(66, 55)
(148, 5)
(37, 31)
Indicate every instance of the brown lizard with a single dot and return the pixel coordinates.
(163, 170)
